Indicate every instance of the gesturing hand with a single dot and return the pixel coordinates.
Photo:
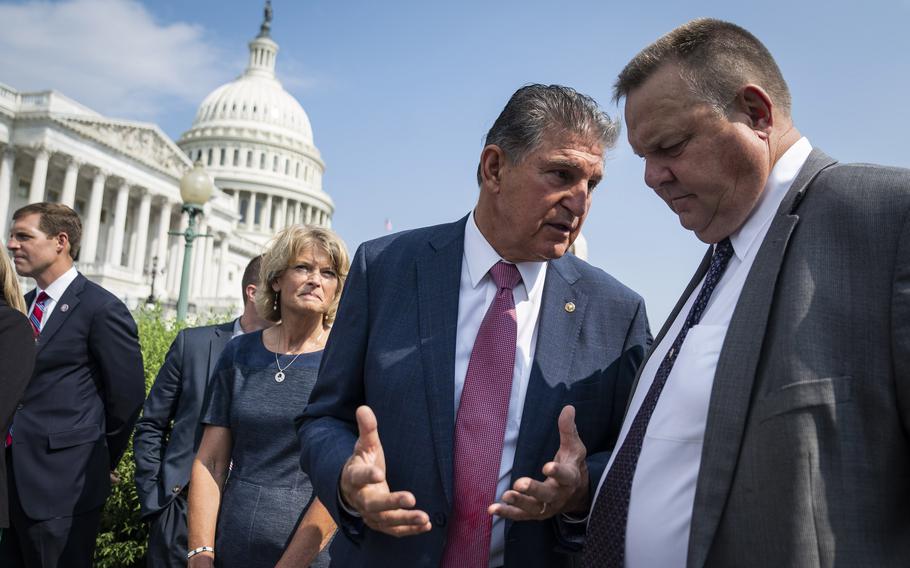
(565, 489)
(364, 487)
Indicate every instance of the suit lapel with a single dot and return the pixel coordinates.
(66, 305)
(735, 375)
(438, 281)
(220, 338)
(557, 332)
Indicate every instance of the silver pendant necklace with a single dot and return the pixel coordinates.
(279, 376)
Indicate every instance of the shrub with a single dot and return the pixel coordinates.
(123, 536)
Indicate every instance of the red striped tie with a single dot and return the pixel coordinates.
(38, 313)
(481, 425)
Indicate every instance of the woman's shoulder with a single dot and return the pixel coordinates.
(11, 318)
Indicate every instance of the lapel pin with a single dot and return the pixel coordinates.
(64, 307)
(570, 307)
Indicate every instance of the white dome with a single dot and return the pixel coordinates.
(256, 141)
(256, 100)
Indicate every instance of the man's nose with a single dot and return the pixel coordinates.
(656, 173)
(577, 199)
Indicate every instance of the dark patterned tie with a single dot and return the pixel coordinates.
(605, 544)
(481, 425)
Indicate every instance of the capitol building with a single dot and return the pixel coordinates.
(123, 178)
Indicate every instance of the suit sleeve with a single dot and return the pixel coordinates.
(17, 359)
(570, 531)
(154, 424)
(114, 343)
(327, 428)
(900, 324)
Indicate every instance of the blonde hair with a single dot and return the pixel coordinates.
(284, 249)
(11, 291)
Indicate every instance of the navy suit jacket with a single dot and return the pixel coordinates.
(168, 432)
(76, 416)
(393, 348)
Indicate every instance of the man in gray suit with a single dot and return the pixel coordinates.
(168, 433)
(770, 424)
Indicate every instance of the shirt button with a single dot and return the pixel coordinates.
(439, 519)
(176, 489)
(19, 406)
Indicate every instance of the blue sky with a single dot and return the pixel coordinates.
(400, 94)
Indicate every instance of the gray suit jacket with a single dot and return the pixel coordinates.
(168, 433)
(806, 458)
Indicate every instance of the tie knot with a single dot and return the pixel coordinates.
(505, 275)
(723, 251)
(42, 297)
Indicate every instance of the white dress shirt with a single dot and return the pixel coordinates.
(475, 294)
(54, 292)
(663, 490)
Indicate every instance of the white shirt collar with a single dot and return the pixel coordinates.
(480, 257)
(779, 182)
(56, 288)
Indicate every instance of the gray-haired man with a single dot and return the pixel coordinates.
(465, 347)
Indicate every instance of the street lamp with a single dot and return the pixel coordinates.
(195, 189)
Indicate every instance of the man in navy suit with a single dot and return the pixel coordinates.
(78, 411)
(476, 376)
(168, 433)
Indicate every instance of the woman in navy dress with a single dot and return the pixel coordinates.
(250, 504)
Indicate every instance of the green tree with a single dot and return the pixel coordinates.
(123, 536)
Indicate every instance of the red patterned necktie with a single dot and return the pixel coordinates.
(38, 313)
(480, 426)
(605, 544)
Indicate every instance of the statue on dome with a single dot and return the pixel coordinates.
(267, 20)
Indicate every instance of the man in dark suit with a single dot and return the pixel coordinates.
(168, 432)
(76, 416)
(487, 368)
(770, 424)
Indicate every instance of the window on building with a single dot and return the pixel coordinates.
(221, 162)
(249, 158)
(275, 164)
(210, 158)
(262, 161)
(243, 202)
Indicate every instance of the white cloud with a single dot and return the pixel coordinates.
(110, 55)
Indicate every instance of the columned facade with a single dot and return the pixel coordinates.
(122, 178)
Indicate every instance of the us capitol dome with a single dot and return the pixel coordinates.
(256, 141)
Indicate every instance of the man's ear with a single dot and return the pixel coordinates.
(63, 242)
(250, 292)
(492, 161)
(754, 102)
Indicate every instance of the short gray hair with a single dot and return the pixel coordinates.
(715, 58)
(534, 110)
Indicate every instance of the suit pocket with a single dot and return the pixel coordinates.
(74, 437)
(805, 394)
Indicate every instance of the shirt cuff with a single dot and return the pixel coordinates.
(347, 509)
(573, 519)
